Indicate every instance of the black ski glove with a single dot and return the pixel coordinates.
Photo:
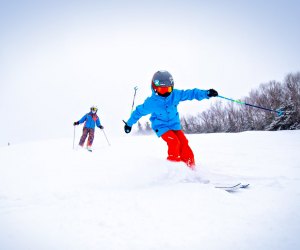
(76, 123)
(212, 93)
(127, 128)
(101, 127)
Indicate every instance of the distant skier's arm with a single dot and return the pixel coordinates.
(80, 121)
(98, 123)
(83, 119)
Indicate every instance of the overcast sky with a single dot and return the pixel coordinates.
(58, 58)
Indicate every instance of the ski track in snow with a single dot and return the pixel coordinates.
(127, 196)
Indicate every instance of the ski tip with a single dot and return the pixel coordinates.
(245, 185)
(233, 188)
(229, 188)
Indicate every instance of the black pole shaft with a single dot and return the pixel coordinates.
(74, 138)
(251, 105)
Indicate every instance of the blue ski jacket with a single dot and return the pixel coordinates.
(90, 120)
(163, 110)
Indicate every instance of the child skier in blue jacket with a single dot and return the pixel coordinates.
(91, 120)
(165, 121)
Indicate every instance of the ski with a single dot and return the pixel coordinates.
(244, 185)
(230, 188)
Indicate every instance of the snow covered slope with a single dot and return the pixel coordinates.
(127, 196)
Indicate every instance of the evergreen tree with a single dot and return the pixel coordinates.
(148, 128)
(140, 128)
(285, 121)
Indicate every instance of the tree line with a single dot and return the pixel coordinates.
(226, 116)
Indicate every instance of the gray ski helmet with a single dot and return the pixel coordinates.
(162, 78)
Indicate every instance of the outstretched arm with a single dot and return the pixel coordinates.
(191, 94)
(197, 94)
(83, 119)
(141, 110)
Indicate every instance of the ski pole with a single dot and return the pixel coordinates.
(105, 137)
(279, 112)
(135, 89)
(74, 137)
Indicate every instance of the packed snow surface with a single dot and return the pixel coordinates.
(127, 196)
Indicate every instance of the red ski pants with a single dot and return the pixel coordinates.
(178, 147)
(85, 133)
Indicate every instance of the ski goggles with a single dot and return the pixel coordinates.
(163, 90)
(94, 109)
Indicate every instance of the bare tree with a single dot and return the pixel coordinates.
(232, 117)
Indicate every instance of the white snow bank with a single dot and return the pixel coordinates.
(128, 196)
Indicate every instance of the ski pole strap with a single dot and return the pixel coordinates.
(279, 112)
